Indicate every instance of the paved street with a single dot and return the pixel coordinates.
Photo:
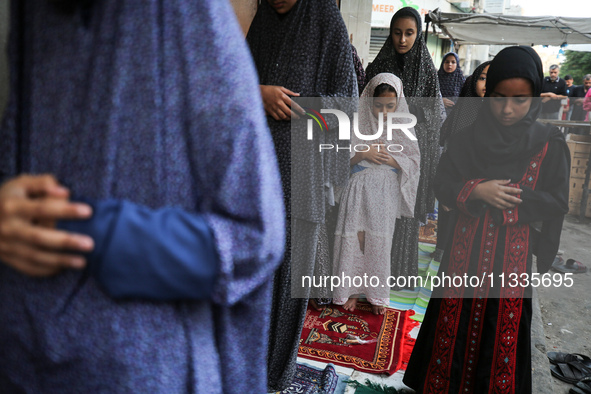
(565, 323)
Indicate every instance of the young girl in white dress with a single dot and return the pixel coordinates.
(382, 188)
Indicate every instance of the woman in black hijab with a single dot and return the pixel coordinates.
(463, 114)
(465, 111)
(405, 55)
(471, 87)
(300, 48)
(502, 173)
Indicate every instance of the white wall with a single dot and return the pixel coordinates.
(357, 17)
(245, 10)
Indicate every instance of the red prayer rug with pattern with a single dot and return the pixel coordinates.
(359, 339)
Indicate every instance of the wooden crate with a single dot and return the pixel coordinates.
(579, 146)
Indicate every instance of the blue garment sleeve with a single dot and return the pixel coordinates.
(209, 125)
(159, 254)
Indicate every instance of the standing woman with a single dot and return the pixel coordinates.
(405, 55)
(300, 48)
(117, 100)
(463, 115)
(451, 79)
(503, 173)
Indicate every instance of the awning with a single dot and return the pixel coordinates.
(579, 48)
(489, 29)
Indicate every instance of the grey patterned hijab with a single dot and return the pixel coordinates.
(306, 51)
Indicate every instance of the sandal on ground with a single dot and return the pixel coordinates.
(570, 372)
(582, 387)
(557, 261)
(571, 266)
(563, 358)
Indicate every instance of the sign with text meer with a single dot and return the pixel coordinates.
(384, 10)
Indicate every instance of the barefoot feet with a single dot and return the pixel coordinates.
(378, 309)
(350, 304)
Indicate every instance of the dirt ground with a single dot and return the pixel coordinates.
(565, 312)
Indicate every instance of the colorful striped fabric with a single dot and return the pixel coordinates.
(418, 298)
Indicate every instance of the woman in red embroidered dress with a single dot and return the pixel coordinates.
(503, 173)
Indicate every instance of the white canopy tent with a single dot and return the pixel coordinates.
(579, 48)
(489, 29)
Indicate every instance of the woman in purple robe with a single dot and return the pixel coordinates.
(150, 114)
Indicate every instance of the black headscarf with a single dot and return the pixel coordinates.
(419, 80)
(466, 109)
(490, 150)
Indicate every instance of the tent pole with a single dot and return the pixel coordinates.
(427, 21)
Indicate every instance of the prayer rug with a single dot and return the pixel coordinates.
(428, 232)
(310, 380)
(359, 339)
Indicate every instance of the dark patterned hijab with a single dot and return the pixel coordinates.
(466, 109)
(419, 79)
(306, 51)
(497, 151)
(469, 88)
(415, 68)
(450, 83)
